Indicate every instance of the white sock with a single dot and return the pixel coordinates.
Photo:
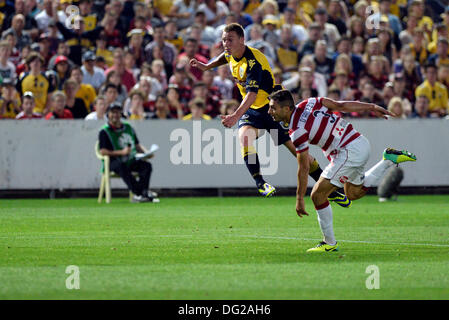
(373, 175)
(325, 221)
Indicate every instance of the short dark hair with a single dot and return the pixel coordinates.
(237, 28)
(110, 85)
(430, 65)
(284, 98)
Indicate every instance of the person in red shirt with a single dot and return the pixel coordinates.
(58, 101)
(28, 105)
(126, 76)
(191, 51)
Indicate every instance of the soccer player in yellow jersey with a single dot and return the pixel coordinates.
(255, 81)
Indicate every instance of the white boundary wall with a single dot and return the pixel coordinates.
(40, 154)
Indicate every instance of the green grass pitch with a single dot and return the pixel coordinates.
(222, 248)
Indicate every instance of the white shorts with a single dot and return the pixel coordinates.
(348, 163)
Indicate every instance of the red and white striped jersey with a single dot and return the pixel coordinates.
(313, 123)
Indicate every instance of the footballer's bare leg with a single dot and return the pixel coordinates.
(247, 136)
(354, 192)
(315, 172)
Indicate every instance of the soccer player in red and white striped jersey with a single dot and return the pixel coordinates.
(313, 122)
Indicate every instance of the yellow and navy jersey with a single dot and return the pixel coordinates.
(38, 85)
(437, 95)
(87, 93)
(8, 110)
(90, 22)
(252, 73)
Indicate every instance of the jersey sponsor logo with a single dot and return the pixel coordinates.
(331, 117)
(251, 63)
(253, 84)
(307, 109)
(340, 128)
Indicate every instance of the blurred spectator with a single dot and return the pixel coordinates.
(356, 28)
(384, 11)
(9, 104)
(78, 39)
(337, 15)
(397, 107)
(387, 47)
(211, 98)
(36, 82)
(102, 49)
(162, 108)
(190, 52)
(376, 72)
(215, 11)
(126, 77)
(62, 50)
(167, 51)
(135, 46)
(136, 110)
(17, 30)
(43, 18)
(270, 25)
(183, 11)
(197, 107)
(287, 56)
(300, 34)
(62, 70)
(172, 35)
(110, 92)
(99, 107)
(418, 46)
(27, 108)
(205, 34)
(441, 55)
(324, 63)
(10, 10)
(443, 74)
(229, 106)
(7, 68)
(434, 90)
(421, 109)
(344, 46)
(315, 34)
(440, 31)
(91, 74)
(158, 73)
(223, 82)
(330, 31)
(341, 83)
(76, 105)
(175, 106)
(113, 78)
(387, 94)
(58, 110)
(416, 7)
(400, 90)
(406, 35)
(244, 19)
(196, 32)
(257, 41)
(85, 90)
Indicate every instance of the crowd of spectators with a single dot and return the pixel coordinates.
(63, 59)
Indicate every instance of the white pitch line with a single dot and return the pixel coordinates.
(350, 241)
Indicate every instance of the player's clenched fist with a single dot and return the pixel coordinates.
(197, 64)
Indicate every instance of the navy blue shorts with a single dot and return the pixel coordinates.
(260, 119)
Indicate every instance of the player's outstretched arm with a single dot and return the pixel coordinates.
(219, 61)
(356, 106)
(303, 173)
